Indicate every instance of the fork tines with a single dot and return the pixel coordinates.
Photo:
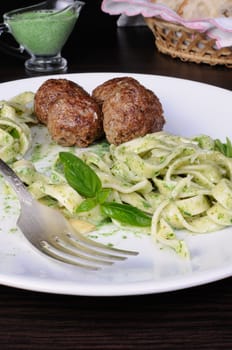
(75, 249)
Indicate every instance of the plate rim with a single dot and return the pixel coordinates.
(106, 290)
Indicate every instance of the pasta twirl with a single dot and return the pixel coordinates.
(189, 183)
(184, 184)
(181, 183)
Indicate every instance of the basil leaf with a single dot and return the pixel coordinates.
(102, 195)
(224, 148)
(126, 214)
(79, 175)
(87, 205)
(15, 134)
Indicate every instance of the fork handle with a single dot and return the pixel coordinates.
(17, 184)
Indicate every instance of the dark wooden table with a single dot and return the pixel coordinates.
(195, 318)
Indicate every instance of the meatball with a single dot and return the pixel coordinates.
(49, 91)
(106, 89)
(74, 120)
(129, 109)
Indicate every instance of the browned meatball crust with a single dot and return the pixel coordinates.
(74, 120)
(129, 109)
(49, 91)
(106, 89)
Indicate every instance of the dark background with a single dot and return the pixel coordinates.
(195, 318)
(96, 38)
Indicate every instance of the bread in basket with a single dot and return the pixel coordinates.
(189, 44)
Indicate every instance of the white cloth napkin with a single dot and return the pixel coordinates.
(219, 29)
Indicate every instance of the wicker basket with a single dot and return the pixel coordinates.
(187, 44)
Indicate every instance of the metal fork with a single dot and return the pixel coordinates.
(48, 230)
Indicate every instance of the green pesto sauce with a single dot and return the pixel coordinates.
(42, 32)
(37, 153)
(13, 230)
(100, 148)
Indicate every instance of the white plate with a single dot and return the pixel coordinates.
(191, 108)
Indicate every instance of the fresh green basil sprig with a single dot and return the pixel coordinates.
(79, 175)
(86, 182)
(224, 148)
(126, 214)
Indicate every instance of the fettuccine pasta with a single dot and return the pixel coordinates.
(182, 183)
(15, 135)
